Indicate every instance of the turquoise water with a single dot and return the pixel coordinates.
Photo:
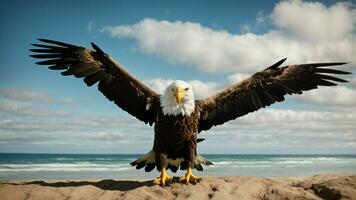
(79, 166)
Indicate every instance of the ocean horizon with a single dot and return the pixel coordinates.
(21, 166)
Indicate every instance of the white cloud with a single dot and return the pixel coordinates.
(29, 95)
(303, 32)
(237, 77)
(205, 89)
(314, 21)
(334, 96)
(301, 130)
(94, 129)
(28, 109)
(23, 102)
(158, 85)
(271, 117)
(24, 95)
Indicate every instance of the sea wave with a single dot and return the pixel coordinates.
(285, 162)
(83, 166)
(104, 159)
(313, 158)
(65, 159)
(115, 164)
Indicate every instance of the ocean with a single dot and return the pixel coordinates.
(88, 166)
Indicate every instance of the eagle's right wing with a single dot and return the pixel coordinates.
(95, 66)
(263, 89)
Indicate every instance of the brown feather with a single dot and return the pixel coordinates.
(87, 72)
(58, 67)
(75, 69)
(53, 55)
(92, 79)
(331, 71)
(57, 61)
(130, 97)
(56, 43)
(332, 78)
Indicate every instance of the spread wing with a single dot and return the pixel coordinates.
(95, 66)
(263, 89)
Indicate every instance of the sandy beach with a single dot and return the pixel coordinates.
(326, 186)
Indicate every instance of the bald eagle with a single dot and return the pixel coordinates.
(176, 115)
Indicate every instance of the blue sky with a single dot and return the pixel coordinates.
(41, 111)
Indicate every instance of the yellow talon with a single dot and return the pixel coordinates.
(163, 178)
(189, 177)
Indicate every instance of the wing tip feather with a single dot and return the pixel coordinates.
(55, 42)
(327, 64)
(277, 64)
(96, 48)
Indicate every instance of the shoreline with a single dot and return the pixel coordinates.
(322, 186)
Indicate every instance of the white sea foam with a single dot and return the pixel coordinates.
(104, 159)
(313, 159)
(285, 162)
(65, 159)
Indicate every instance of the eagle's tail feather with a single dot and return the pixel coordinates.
(148, 161)
(201, 160)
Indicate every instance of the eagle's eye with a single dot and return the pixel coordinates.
(186, 89)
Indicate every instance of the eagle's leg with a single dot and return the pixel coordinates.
(189, 177)
(163, 178)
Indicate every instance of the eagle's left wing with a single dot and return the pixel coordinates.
(263, 89)
(96, 66)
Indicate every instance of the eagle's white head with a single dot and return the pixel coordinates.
(178, 98)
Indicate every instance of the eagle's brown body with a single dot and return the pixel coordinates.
(176, 137)
(175, 141)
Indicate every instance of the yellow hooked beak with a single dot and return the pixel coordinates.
(179, 94)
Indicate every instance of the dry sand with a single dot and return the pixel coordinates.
(325, 186)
